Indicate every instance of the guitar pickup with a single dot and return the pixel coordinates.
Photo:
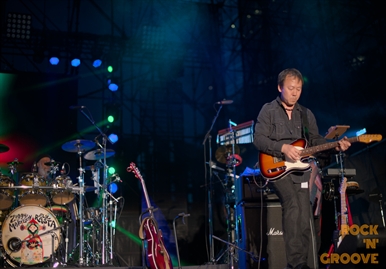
(277, 169)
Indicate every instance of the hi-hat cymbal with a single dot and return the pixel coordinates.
(98, 154)
(3, 148)
(223, 151)
(78, 145)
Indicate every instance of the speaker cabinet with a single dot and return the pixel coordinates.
(259, 232)
(248, 191)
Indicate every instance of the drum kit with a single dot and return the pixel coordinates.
(36, 213)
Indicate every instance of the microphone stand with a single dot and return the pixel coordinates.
(210, 189)
(104, 196)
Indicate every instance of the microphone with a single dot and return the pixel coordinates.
(224, 102)
(63, 170)
(77, 107)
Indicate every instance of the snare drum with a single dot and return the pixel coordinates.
(30, 235)
(63, 196)
(7, 193)
(33, 195)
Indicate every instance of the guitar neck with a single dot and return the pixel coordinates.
(146, 197)
(311, 150)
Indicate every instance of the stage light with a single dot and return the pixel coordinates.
(97, 63)
(113, 138)
(75, 62)
(111, 170)
(112, 112)
(112, 223)
(113, 187)
(110, 118)
(54, 60)
(113, 87)
(19, 25)
(361, 132)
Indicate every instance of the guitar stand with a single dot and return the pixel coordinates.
(183, 215)
(231, 248)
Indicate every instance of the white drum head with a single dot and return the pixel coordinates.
(30, 234)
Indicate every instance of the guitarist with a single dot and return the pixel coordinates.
(279, 123)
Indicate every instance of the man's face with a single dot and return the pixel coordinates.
(291, 90)
(42, 168)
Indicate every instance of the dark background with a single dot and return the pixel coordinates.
(173, 60)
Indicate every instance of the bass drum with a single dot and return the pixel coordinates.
(30, 234)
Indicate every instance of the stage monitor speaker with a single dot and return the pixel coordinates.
(259, 231)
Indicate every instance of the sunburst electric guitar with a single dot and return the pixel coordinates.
(157, 255)
(273, 168)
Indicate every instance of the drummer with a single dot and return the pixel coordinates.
(43, 169)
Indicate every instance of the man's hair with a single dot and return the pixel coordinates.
(292, 72)
(41, 156)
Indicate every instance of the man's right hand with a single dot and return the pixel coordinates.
(291, 152)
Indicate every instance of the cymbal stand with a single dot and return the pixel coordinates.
(105, 222)
(231, 218)
(210, 188)
(112, 218)
(104, 202)
(81, 197)
(13, 170)
(54, 168)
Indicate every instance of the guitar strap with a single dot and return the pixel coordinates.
(141, 234)
(304, 117)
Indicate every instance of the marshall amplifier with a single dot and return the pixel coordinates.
(260, 235)
(249, 189)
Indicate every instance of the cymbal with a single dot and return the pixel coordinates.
(223, 151)
(98, 154)
(14, 163)
(78, 145)
(3, 148)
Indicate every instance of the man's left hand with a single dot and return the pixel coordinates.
(344, 144)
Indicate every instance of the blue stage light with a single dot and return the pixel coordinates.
(75, 62)
(97, 63)
(113, 87)
(54, 60)
(113, 187)
(113, 138)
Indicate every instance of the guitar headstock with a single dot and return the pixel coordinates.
(132, 168)
(368, 138)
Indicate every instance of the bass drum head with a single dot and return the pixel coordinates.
(30, 234)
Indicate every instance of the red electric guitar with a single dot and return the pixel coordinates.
(344, 242)
(157, 254)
